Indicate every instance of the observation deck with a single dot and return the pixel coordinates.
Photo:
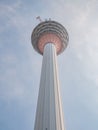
(49, 32)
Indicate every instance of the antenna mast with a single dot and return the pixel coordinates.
(39, 18)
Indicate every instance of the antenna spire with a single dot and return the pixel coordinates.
(39, 18)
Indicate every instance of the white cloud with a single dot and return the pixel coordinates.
(85, 39)
(8, 11)
(11, 88)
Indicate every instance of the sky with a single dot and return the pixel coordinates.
(20, 65)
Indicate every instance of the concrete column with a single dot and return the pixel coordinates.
(49, 114)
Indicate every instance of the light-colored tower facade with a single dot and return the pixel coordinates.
(49, 38)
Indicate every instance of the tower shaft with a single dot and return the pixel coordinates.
(49, 107)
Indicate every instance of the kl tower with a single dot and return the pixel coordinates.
(49, 38)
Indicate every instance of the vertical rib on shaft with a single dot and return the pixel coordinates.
(49, 108)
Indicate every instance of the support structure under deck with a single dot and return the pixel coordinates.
(49, 109)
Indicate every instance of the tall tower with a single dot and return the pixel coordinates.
(49, 38)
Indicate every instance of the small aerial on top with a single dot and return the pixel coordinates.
(39, 18)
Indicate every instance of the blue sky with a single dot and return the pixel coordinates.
(20, 65)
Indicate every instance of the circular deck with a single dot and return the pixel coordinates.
(49, 32)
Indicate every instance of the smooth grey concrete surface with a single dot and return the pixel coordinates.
(49, 115)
